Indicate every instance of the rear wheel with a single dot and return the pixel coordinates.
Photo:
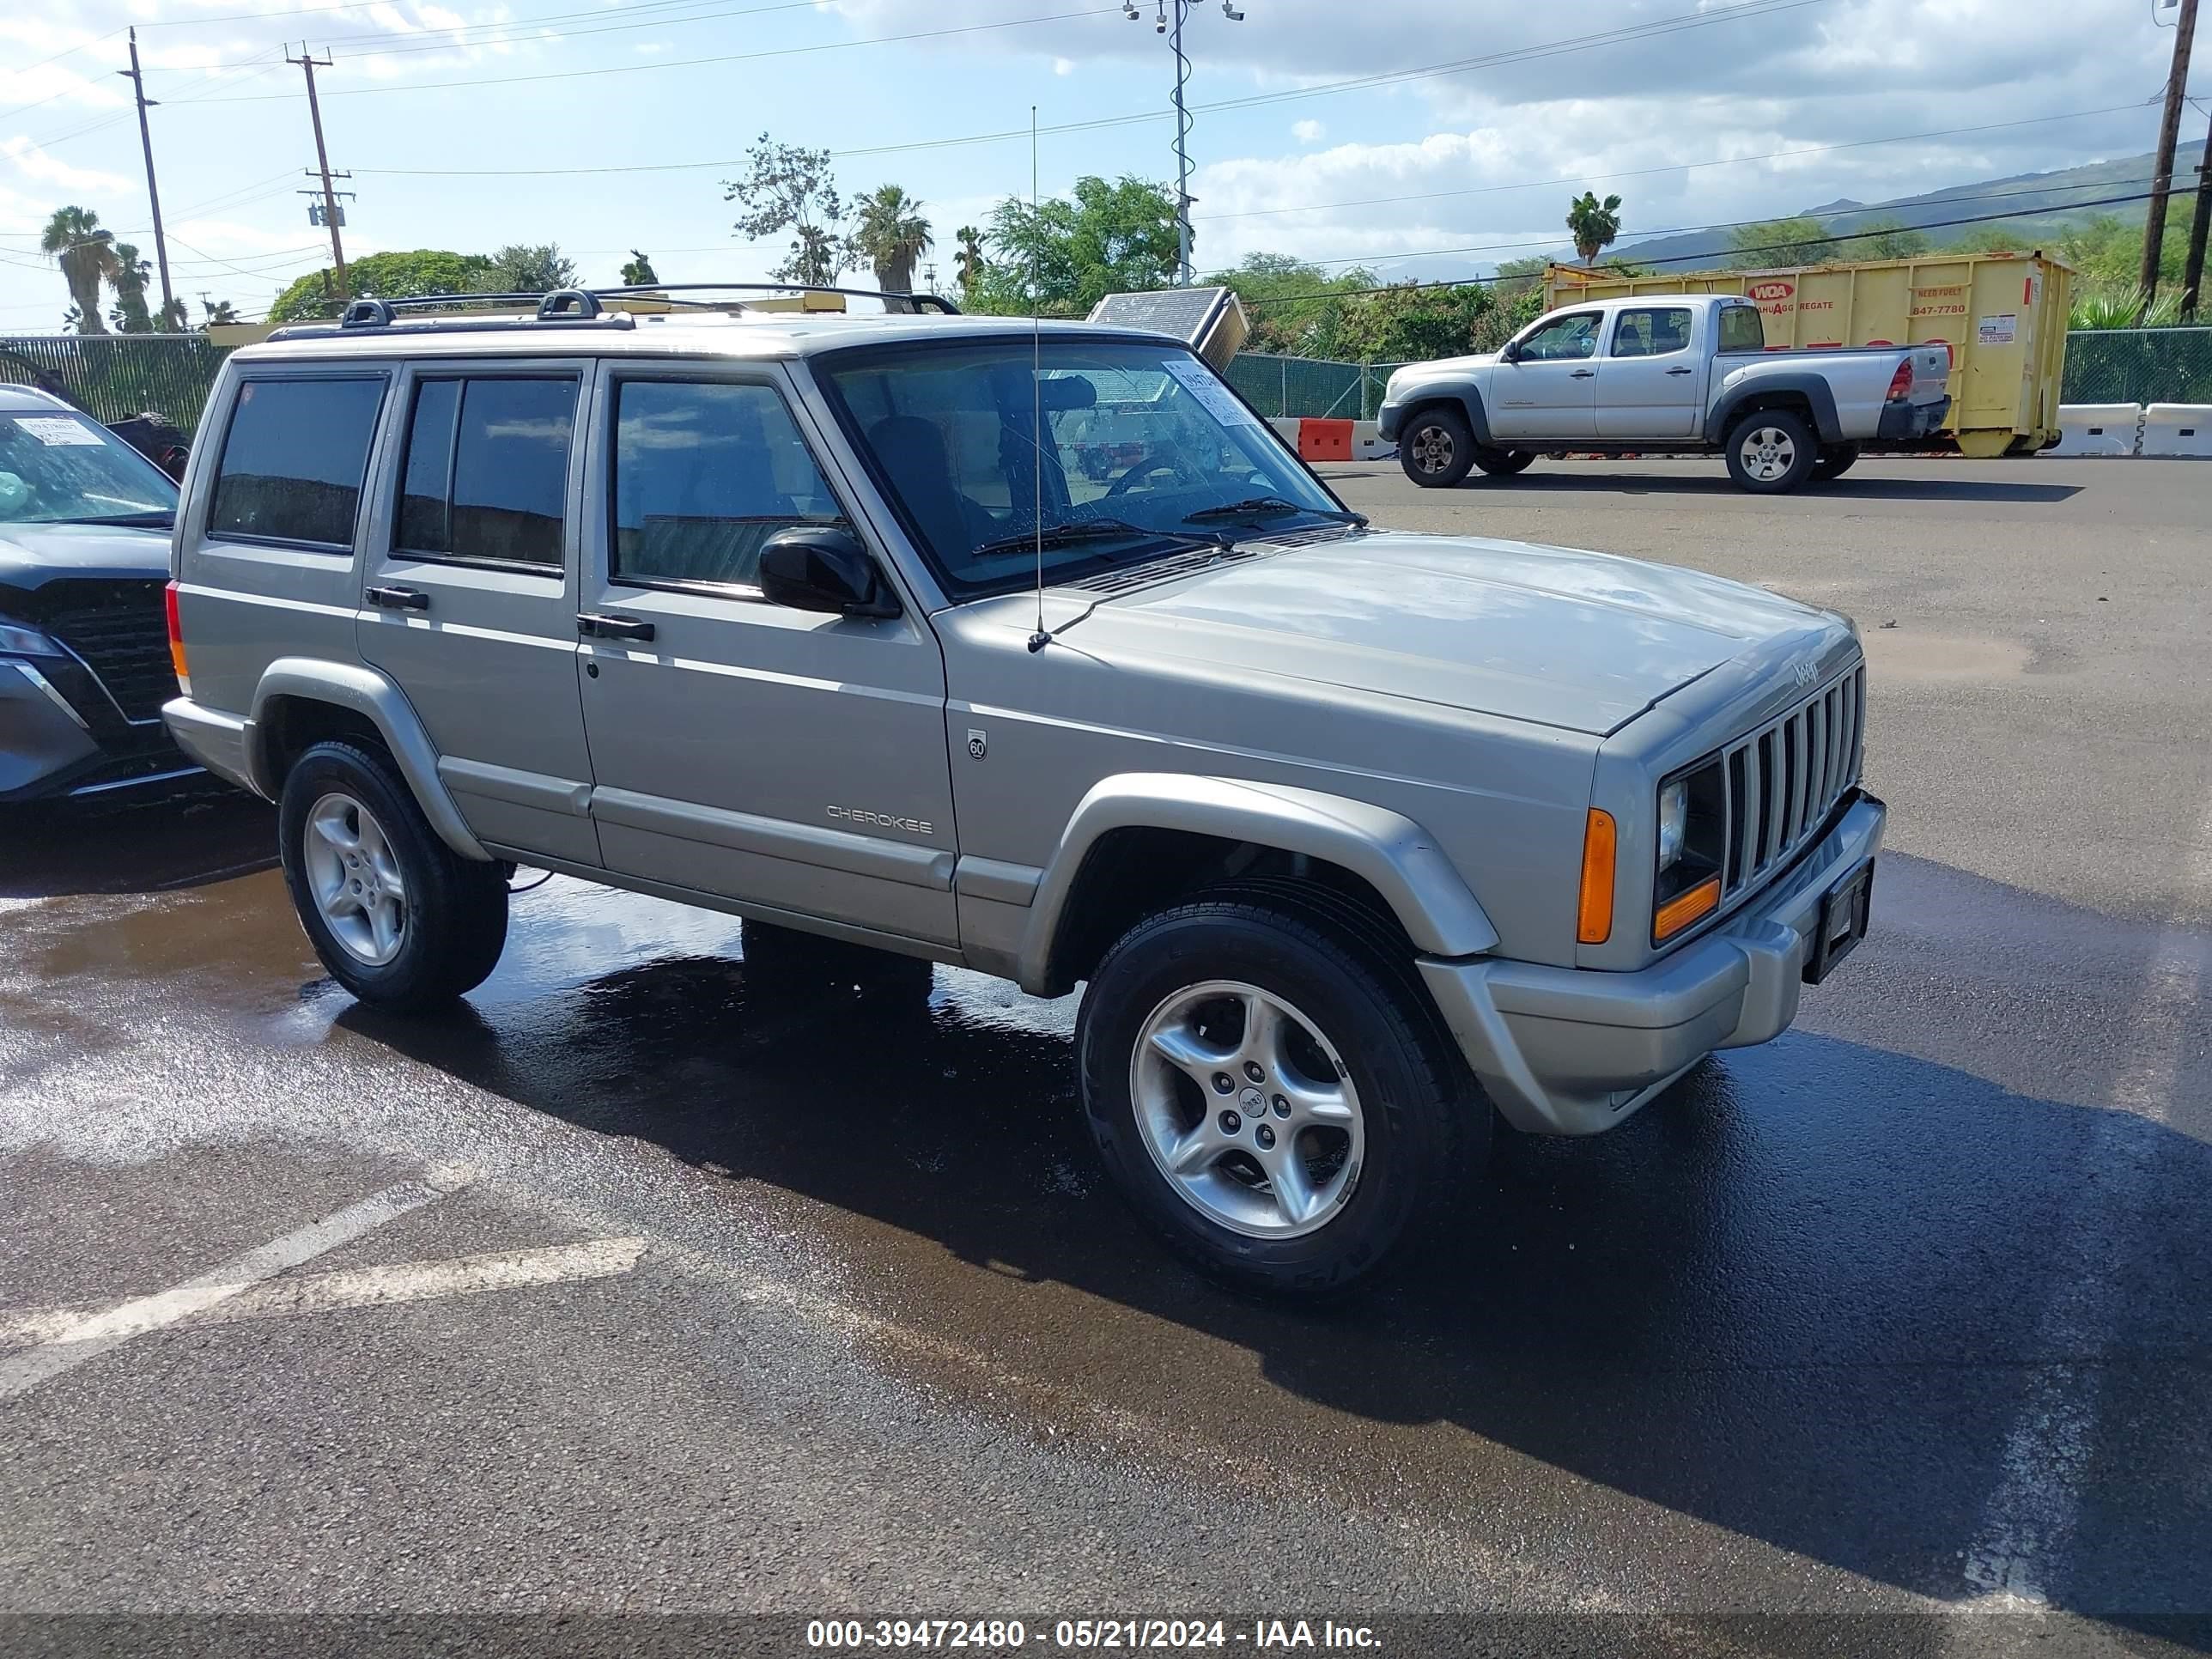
(1437, 448)
(1833, 461)
(1268, 1092)
(1770, 452)
(1504, 463)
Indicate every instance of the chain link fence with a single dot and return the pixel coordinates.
(113, 377)
(2138, 366)
(1293, 387)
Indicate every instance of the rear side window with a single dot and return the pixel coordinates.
(294, 459)
(704, 472)
(1741, 329)
(486, 474)
(1659, 332)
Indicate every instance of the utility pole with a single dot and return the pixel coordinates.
(2169, 134)
(2192, 274)
(308, 62)
(153, 195)
(1183, 198)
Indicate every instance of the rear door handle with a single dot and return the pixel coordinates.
(397, 599)
(1681, 371)
(594, 625)
(1582, 374)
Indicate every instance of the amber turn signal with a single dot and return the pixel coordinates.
(1595, 922)
(1678, 912)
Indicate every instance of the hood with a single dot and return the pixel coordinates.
(1585, 641)
(1445, 366)
(32, 553)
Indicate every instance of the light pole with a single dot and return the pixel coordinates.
(1162, 24)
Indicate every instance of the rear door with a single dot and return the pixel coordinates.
(469, 596)
(789, 759)
(1654, 384)
(1550, 391)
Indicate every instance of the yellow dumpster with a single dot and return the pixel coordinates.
(2002, 315)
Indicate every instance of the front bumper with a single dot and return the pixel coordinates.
(1901, 422)
(55, 744)
(1566, 1051)
(1387, 419)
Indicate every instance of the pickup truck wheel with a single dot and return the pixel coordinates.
(398, 917)
(1772, 451)
(1266, 1094)
(1436, 448)
(1833, 461)
(1504, 463)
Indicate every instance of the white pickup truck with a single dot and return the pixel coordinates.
(1682, 375)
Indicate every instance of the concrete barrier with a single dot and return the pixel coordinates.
(2177, 429)
(2098, 430)
(1368, 443)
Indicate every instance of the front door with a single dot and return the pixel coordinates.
(1654, 375)
(791, 760)
(1550, 389)
(469, 601)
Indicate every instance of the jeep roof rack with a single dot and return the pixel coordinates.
(575, 307)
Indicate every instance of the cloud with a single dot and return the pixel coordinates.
(1063, 66)
(1308, 132)
(34, 163)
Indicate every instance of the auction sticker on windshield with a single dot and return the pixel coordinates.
(56, 431)
(1216, 398)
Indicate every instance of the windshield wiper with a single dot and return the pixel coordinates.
(1257, 507)
(1088, 529)
(152, 517)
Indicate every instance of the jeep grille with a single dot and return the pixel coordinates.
(1784, 779)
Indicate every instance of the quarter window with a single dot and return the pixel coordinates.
(487, 469)
(704, 472)
(294, 459)
(1657, 332)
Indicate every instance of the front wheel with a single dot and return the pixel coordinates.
(1437, 448)
(1504, 463)
(1772, 451)
(1834, 460)
(1267, 1093)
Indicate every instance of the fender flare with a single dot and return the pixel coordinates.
(1813, 388)
(369, 694)
(1395, 855)
(1464, 394)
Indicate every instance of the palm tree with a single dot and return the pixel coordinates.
(129, 278)
(1595, 223)
(891, 235)
(969, 262)
(73, 240)
(218, 311)
(637, 271)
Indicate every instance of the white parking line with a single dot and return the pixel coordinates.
(95, 1334)
(2028, 1522)
(363, 1288)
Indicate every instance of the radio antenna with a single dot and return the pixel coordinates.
(1041, 639)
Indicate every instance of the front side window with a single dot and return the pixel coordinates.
(1563, 339)
(704, 472)
(486, 475)
(58, 466)
(1743, 329)
(294, 459)
(1144, 450)
(1657, 332)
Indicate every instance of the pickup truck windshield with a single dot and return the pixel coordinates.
(1145, 450)
(58, 467)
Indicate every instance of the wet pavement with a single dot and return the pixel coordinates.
(688, 1280)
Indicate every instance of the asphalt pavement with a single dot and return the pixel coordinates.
(659, 1280)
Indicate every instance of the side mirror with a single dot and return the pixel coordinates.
(822, 566)
(1511, 352)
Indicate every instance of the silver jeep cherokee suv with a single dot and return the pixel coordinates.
(1037, 652)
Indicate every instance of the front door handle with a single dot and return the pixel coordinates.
(1681, 371)
(397, 599)
(1582, 374)
(596, 626)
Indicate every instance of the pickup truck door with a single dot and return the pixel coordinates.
(1550, 389)
(1654, 384)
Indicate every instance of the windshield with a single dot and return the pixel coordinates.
(59, 467)
(1145, 450)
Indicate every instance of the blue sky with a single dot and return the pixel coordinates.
(469, 126)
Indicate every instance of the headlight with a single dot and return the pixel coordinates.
(1693, 843)
(18, 640)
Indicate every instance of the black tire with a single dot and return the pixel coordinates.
(1792, 452)
(454, 910)
(1436, 447)
(1504, 463)
(1419, 1106)
(1833, 461)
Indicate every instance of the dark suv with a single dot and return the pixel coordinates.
(84, 648)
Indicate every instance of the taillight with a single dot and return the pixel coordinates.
(1900, 383)
(176, 639)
